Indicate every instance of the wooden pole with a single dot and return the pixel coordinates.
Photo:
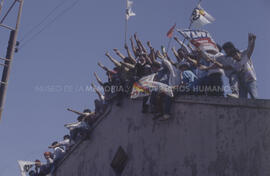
(9, 57)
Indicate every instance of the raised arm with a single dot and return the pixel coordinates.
(118, 53)
(152, 54)
(192, 61)
(133, 47)
(186, 49)
(98, 79)
(168, 64)
(133, 60)
(207, 58)
(176, 55)
(54, 146)
(116, 63)
(251, 44)
(76, 112)
(139, 44)
(101, 97)
(129, 66)
(103, 67)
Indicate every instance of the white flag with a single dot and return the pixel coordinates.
(200, 17)
(129, 11)
(25, 166)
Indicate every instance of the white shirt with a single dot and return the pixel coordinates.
(49, 160)
(58, 152)
(65, 143)
(74, 125)
(245, 66)
(216, 70)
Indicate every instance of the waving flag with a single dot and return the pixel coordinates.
(147, 84)
(170, 32)
(140, 88)
(129, 11)
(25, 166)
(200, 39)
(200, 17)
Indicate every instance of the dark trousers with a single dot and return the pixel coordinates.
(78, 132)
(214, 85)
(166, 104)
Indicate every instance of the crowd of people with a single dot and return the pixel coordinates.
(192, 72)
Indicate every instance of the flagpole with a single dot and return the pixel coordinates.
(1, 5)
(126, 22)
(169, 43)
(190, 23)
(126, 28)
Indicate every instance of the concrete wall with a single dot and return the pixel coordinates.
(205, 137)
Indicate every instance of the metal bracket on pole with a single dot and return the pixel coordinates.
(7, 27)
(4, 65)
(4, 59)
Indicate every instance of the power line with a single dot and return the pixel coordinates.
(43, 20)
(49, 24)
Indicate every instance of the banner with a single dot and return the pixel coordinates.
(200, 17)
(25, 166)
(200, 39)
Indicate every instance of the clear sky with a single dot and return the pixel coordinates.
(49, 73)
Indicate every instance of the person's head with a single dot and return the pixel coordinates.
(128, 60)
(141, 58)
(80, 118)
(66, 137)
(181, 53)
(183, 66)
(32, 173)
(37, 163)
(231, 51)
(137, 53)
(87, 111)
(54, 143)
(47, 155)
(155, 67)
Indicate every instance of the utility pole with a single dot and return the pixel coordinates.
(10, 53)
